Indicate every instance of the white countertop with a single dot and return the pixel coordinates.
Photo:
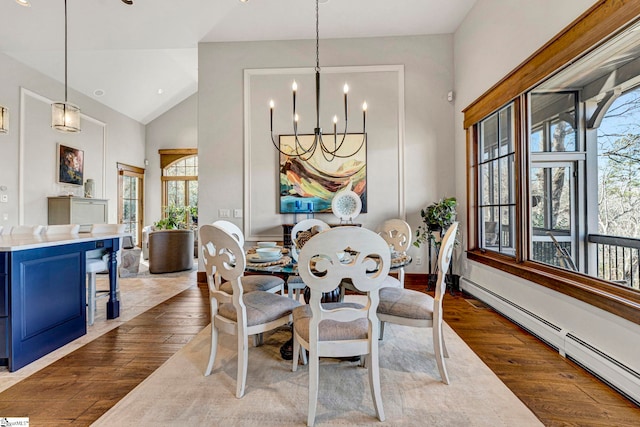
(9, 243)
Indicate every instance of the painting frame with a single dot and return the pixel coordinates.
(70, 165)
(308, 186)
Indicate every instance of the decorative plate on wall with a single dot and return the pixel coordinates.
(346, 205)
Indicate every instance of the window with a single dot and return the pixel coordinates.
(553, 165)
(496, 208)
(180, 182)
(131, 200)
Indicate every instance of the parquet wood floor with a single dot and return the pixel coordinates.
(79, 388)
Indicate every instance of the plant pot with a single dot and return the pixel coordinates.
(453, 282)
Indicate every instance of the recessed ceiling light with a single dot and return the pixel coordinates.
(244, 1)
(98, 92)
(24, 3)
(160, 91)
(323, 1)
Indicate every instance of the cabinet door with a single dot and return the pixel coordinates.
(89, 212)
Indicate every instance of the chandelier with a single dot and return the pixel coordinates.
(328, 150)
(65, 117)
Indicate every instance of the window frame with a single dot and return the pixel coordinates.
(599, 23)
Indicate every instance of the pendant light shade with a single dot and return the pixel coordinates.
(65, 117)
(4, 120)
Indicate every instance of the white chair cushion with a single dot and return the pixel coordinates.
(262, 307)
(391, 282)
(406, 303)
(330, 330)
(254, 283)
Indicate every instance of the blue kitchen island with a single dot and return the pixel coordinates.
(43, 294)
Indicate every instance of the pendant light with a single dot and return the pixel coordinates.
(4, 119)
(65, 117)
(329, 150)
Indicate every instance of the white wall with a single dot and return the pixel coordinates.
(108, 137)
(494, 38)
(177, 128)
(428, 158)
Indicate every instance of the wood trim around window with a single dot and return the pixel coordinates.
(600, 22)
(603, 20)
(170, 155)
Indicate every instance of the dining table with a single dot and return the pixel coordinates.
(286, 267)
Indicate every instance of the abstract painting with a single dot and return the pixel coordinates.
(309, 185)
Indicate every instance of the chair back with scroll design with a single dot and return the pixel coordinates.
(232, 229)
(418, 309)
(341, 329)
(237, 313)
(396, 233)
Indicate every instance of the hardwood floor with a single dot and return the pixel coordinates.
(558, 391)
(80, 387)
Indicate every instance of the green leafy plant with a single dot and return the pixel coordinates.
(175, 218)
(436, 218)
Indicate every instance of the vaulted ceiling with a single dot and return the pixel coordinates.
(142, 59)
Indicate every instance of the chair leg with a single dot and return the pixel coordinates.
(243, 358)
(91, 297)
(296, 352)
(314, 367)
(374, 382)
(214, 349)
(438, 345)
(381, 330)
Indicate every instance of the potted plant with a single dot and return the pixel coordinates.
(437, 218)
(174, 218)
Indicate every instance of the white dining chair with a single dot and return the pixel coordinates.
(252, 282)
(300, 234)
(418, 309)
(26, 230)
(238, 313)
(98, 262)
(61, 229)
(341, 329)
(397, 234)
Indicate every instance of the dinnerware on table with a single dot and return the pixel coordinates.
(267, 244)
(268, 254)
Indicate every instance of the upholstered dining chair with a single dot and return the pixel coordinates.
(241, 314)
(397, 234)
(300, 234)
(98, 262)
(412, 308)
(341, 329)
(252, 282)
(61, 229)
(26, 230)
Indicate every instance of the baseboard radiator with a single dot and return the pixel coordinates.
(569, 344)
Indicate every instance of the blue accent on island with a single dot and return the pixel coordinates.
(43, 293)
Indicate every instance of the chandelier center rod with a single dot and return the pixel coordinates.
(65, 51)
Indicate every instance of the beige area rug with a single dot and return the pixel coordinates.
(178, 394)
(137, 295)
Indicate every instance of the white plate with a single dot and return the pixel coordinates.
(255, 258)
(346, 205)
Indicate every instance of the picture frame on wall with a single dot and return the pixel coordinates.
(308, 186)
(70, 161)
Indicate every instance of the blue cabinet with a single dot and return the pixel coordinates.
(43, 303)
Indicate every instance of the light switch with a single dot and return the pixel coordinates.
(4, 198)
(224, 213)
(237, 213)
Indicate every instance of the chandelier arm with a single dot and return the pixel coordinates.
(346, 156)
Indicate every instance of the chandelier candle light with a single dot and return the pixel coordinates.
(329, 153)
(65, 117)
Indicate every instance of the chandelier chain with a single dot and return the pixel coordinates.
(317, 38)
(65, 50)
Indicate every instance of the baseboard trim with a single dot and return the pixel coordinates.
(607, 368)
